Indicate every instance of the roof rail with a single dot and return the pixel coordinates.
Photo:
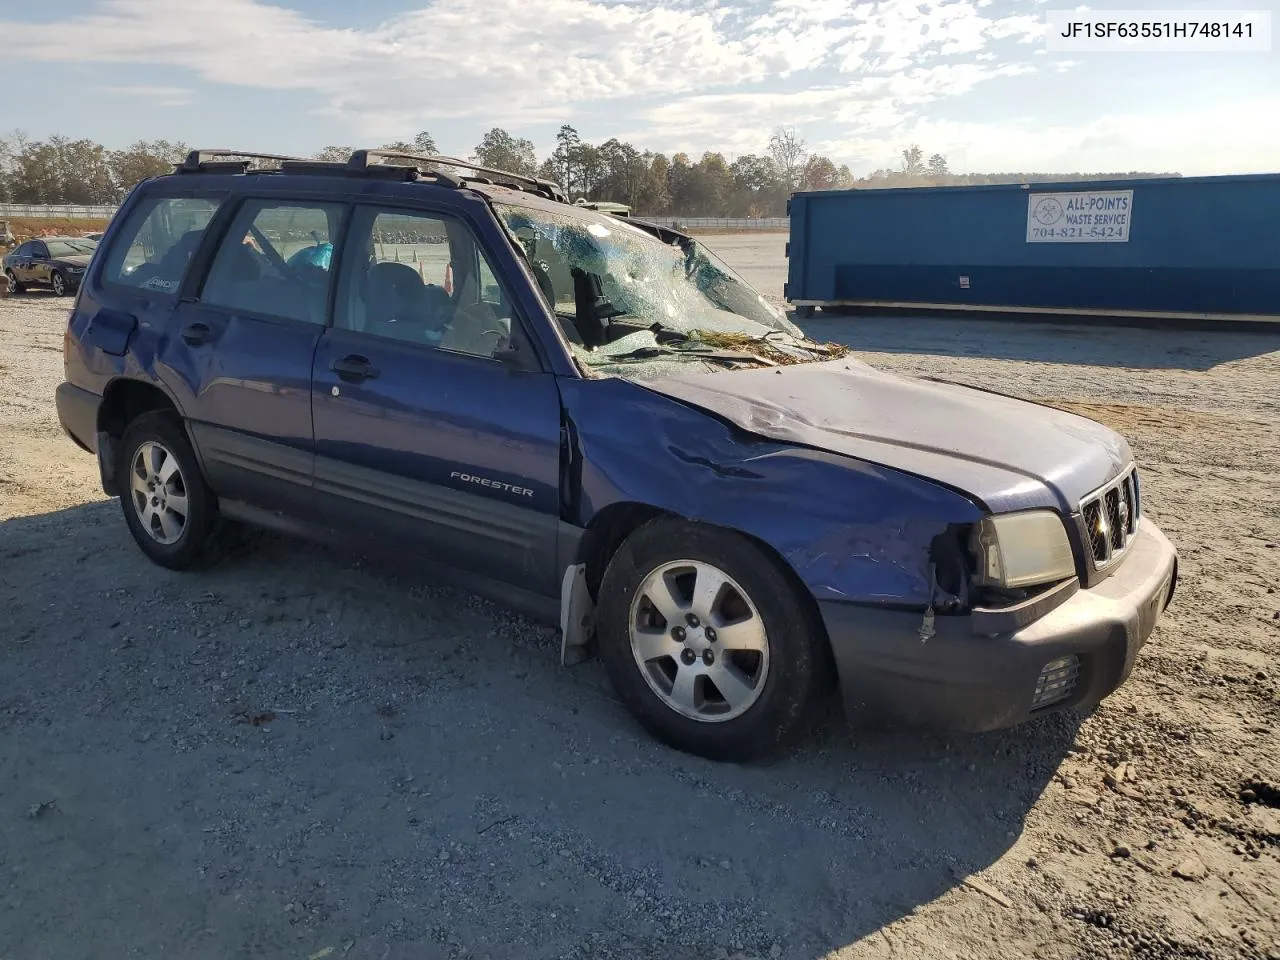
(339, 168)
(362, 158)
(604, 206)
(204, 160)
(665, 234)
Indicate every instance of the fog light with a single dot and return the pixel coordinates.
(1057, 681)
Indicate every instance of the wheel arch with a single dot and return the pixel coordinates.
(611, 527)
(123, 401)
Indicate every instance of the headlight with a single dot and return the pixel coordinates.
(1022, 549)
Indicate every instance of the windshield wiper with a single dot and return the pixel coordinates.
(719, 356)
(791, 341)
(779, 342)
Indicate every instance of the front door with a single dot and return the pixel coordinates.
(423, 439)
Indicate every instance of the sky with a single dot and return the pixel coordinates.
(858, 79)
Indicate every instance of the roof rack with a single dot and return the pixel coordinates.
(339, 168)
(203, 161)
(368, 163)
(362, 159)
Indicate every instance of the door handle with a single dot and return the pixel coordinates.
(197, 334)
(354, 369)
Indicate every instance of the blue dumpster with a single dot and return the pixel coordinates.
(1192, 247)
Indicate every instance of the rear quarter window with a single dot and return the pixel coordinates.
(156, 243)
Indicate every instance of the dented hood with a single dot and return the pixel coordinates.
(1008, 454)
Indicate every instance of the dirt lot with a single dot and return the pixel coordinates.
(37, 226)
(303, 755)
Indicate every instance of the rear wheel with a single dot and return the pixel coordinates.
(14, 285)
(169, 508)
(707, 641)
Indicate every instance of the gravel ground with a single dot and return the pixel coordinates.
(300, 754)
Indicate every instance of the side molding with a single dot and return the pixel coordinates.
(577, 616)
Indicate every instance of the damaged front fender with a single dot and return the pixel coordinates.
(852, 531)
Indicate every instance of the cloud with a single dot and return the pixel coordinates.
(154, 96)
(465, 57)
(1179, 139)
(873, 106)
(520, 62)
(861, 79)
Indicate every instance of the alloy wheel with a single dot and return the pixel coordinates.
(159, 492)
(699, 641)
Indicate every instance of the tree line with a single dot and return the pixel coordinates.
(60, 170)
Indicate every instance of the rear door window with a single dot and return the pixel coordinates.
(156, 244)
(275, 259)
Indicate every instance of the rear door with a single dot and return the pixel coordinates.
(18, 261)
(241, 349)
(423, 439)
(38, 263)
(133, 285)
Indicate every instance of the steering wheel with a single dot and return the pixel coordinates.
(476, 329)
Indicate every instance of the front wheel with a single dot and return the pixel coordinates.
(59, 284)
(707, 641)
(170, 510)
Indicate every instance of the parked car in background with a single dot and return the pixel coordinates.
(600, 423)
(55, 262)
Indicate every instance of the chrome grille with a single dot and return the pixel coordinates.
(1111, 517)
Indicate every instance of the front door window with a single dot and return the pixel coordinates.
(422, 278)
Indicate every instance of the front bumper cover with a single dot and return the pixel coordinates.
(966, 678)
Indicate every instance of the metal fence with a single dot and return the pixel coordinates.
(69, 211)
(720, 223)
(107, 211)
(80, 212)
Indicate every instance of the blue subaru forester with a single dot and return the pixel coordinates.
(594, 419)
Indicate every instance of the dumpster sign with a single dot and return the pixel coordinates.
(1079, 217)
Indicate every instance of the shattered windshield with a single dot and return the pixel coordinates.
(633, 305)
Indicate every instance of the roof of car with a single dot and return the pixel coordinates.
(500, 194)
(426, 170)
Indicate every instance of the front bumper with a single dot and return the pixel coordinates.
(965, 678)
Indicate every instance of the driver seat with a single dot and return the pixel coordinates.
(395, 301)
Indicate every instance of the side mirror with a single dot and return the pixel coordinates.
(511, 352)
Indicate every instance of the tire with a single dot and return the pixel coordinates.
(758, 605)
(804, 313)
(154, 439)
(59, 283)
(14, 285)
